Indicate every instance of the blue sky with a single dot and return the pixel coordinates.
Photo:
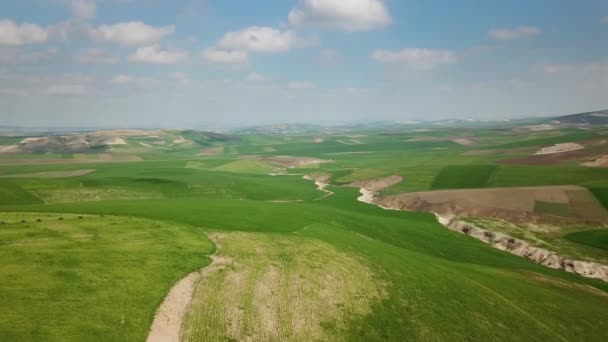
(226, 63)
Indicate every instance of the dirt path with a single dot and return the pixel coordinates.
(321, 182)
(167, 323)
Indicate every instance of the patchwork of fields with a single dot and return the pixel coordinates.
(89, 251)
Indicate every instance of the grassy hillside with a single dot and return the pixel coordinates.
(397, 275)
(68, 277)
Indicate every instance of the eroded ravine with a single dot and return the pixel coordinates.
(504, 242)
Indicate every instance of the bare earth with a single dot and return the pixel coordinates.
(210, 151)
(559, 148)
(376, 184)
(511, 204)
(598, 162)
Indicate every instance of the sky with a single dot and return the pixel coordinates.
(215, 63)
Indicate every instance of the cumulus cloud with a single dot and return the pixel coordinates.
(599, 69)
(258, 39)
(181, 78)
(95, 56)
(216, 55)
(11, 55)
(300, 85)
(420, 59)
(346, 15)
(127, 80)
(133, 33)
(255, 77)
(82, 9)
(514, 33)
(12, 34)
(154, 54)
(234, 47)
(66, 89)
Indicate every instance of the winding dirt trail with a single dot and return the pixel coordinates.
(321, 183)
(167, 323)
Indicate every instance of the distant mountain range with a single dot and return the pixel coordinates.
(596, 118)
(585, 119)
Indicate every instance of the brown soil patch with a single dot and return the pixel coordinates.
(464, 141)
(598, 162)
(376, 184)
(511, 204)
(559, 148)
(212, 151)
(548, 159)
(52, 174)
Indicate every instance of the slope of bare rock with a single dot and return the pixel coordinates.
(524, 249)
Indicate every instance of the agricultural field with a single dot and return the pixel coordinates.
(259, 235)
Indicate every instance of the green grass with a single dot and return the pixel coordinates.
(463, 177)
(435, 284)
(601, 194)
(11, 193)
(594, 238)
(94, 279)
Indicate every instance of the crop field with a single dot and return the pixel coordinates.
(91, 245)
(275, 287)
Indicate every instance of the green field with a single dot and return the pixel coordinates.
(75, 277)
(292, 266)
(593, 238)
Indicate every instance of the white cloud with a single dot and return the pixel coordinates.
(599, 69)
(180, 78)
(420, 59)
(121, 79)
(153, 54)
(514, 33)
(131, 33)
(255, 77)
(66, 89)
(82, 9)
(95, 56)
(346, 15)
(258, 39)
(300, 85)
(26, 33)
(216, 55)
(19, 55)
(329, 56)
